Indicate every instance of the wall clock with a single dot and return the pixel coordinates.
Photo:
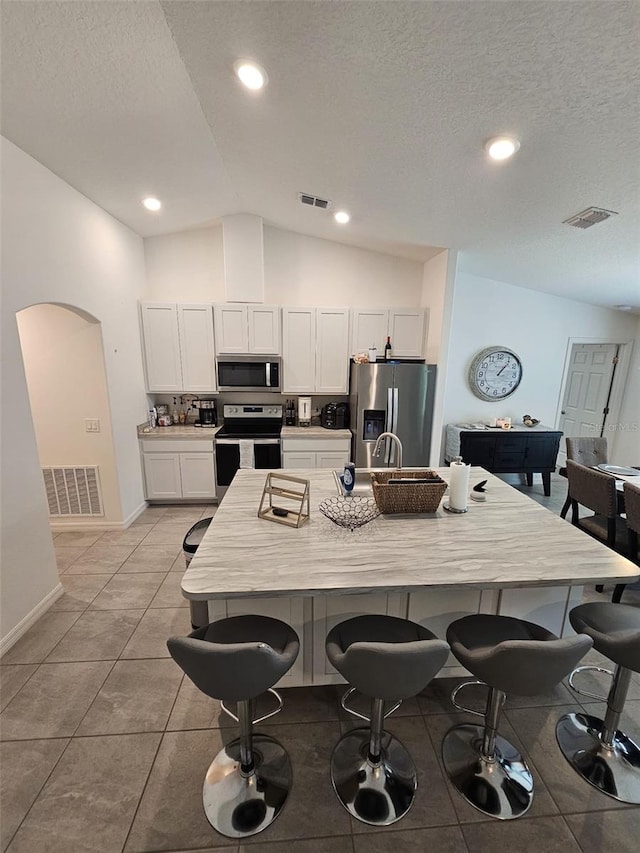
(495, 373)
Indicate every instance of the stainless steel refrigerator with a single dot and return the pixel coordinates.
(394, 398)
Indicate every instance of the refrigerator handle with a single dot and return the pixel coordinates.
(389, 446)
(396, 395)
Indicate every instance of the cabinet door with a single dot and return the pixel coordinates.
(299, 459)
(332, 459)
(161, 347)
(162, 475)
(406, 327)
(197, 475)
(369, 328)
(332, 350)
(195, 324)
(298, 350)
(542, 450)
(264, 329)
(477, 449)
(231, 329)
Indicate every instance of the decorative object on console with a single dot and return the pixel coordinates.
(495, 373)
(527, 420)
(503, 423)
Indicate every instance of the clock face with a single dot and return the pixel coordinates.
(495, 373)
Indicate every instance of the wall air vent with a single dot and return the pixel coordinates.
(314, 201)
(73, 490)
(590, 216)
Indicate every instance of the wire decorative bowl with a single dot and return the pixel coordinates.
(349, 512)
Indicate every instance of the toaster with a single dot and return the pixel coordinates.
(335, 416)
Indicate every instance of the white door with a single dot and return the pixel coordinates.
(368, 328)
(232, 334)
(299, 459)
(298, 350)
(586, 391)
(195, 324)
(332, 350)
(264, 329)
(197, 475)
(332, 459)
(406, 327)
(161, 347)
(162, 475)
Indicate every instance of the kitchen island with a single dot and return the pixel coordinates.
(508, 555)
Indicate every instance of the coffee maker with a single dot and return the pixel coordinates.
(207, 415)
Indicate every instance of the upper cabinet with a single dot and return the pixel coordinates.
(244, 329)
(315, 350)
(405, 326)
(178, 347)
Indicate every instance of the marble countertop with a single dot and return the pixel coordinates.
(314, 432)
(508, 541)
(176, 431)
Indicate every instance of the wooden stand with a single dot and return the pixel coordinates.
(296, 515)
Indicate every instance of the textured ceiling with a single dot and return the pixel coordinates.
(381, 107)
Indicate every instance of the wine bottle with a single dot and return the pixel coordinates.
(388, 349)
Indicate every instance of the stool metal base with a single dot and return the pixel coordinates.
(238, 804)
(614, 771)
(376, 794)
(501, 788)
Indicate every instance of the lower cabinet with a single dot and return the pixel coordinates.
(178, 474)
(289, 610)
(318, 453)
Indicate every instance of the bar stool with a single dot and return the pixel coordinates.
(385, 659)
(510, 656)
(237, 659)
(596, 749)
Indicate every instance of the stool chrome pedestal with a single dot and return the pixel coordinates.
(603, 755)
(486, 768)
(372, 773)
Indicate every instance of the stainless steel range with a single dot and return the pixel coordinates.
(249, 438)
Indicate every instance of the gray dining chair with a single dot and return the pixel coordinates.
(587, 451)
(596, 491)
(632, 511)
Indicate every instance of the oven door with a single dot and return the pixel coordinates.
(266, 455)
(249, 373)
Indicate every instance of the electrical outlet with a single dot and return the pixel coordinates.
(91, 425)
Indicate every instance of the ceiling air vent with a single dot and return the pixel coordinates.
(590, 216)
(314, 201)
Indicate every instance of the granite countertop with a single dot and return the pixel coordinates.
(314, 431)
(508, 541)
(176, 431)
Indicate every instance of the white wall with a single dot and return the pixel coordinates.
(60, 247)
(538, 327)
(64, 365)
(627, 428)
(299, 270)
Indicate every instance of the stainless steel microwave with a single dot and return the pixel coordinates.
(249, 373)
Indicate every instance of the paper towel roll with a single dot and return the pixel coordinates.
(459, 485)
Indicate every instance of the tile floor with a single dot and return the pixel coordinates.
(104, 744)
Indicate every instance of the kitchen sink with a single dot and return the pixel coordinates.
(362, 485)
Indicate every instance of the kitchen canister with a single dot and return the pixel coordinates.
(458, 486)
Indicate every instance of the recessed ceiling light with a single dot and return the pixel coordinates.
(623, 307)
(152, 203)
(341, 217)
(502, 147)
(250, 74)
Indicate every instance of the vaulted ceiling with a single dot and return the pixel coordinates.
(382, 107)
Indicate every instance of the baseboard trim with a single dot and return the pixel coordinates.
(30, 619)
(91, 524)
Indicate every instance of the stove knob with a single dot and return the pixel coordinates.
(233, 410)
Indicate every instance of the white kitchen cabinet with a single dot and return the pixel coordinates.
(178, 347)
(332, 459)
(315, 350)
(315, 452)
(329, 610)
(177, 469)
(299, 459)
(242, 329)
(332, 351)
(369, 328)
(162, 476)
(288, 610)
(405, 327)
(298, 350)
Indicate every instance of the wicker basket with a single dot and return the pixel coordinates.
(406, 497)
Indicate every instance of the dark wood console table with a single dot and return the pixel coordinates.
(521, 450)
